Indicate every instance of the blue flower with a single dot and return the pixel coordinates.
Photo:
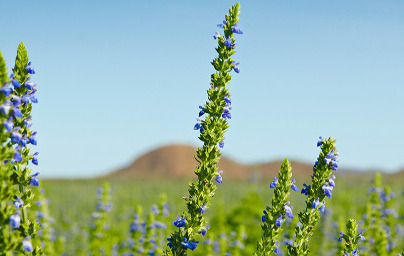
(16, 83)
(274, 183)
(340, 238)
(277, 248)
(288, 210)
(226, 112)
(32, 139)
(331, 181)
(320, 141)
(223, 24)
(361, 236)
(15, 220)
(180, 222)
(217, 35)
(229, 43)
(203, 232)
(327, 190)
(15, 135)
(219, 178)
(235, 29)
(29, 85)
(322, 207)
(8, 124)
(278, 221)
(27, 245)
(34, 180)
(18, 203)
(202, 112)
(236, 67)
(293, 186)
(29, 69)
(264, 217)
(6, 90)
(198, 125)
(17, 156)
(203, 208)
(221, 144)
(189, 245)
(316, 203)
(17, 112)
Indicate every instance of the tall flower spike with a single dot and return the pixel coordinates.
(276, 214)
(316, 193)
(212, 128)
(351, 238)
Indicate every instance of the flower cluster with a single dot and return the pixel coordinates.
(217, 113)
(351, 238)
(17, 94)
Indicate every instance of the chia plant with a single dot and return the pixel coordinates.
(99, 244)
(46, 235)
(351, 239)
(136, 230)
(217, 112)
(17, 94)
(274, 216)
(321, 187)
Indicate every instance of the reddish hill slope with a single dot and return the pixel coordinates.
(178, 161)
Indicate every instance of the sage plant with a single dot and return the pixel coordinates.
(17, 94)
(351, 238)
(274, 216)
(321, 187)
(46, 234)
(217, 111)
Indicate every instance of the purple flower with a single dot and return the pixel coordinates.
(203, 232)
(306, 189)
(8, 124)
(316, 203)
(15, 135)
(322, 207)
(27, 245)
(236, 67)
(331, 181)
(320, 141)
(221, 144)
(274, 183)
(17, 156)
(18, 203)
(227, 99)
(236, 30)
(361, 236)
(32, 139)
(29, 69)
(202, 112)
(293, 186)
(17, 112)
(288, 210)
(229, 43)
(189, 245)
(16, 83)
(219, 178)
(278, 221)
(15, 220)
(179, 222)
(6, 90)
(203, 208)
(222, 25)
(327, 190)
(226, 112)
(34, 180)
(264, 217)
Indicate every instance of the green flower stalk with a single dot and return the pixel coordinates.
(274, 216)
(99, 243)
(17, 93)
(217, 111)
(136, 228)
(389, 217)
(321, 187)
(46, 234)
(149, 239)
(351, 239)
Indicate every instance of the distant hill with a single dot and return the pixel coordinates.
(178, 161)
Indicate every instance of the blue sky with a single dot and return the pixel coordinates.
(118, 78)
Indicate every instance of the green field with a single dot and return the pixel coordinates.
(237, 205)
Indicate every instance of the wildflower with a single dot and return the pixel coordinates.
(340, 238)
(189, 245)
(27, 245)
(29, 85)
(316, 203)
(288, 210)
(223, 24)
(32, 139)
(306, 189)
(18, 203)
(15, 220)
(226, 112)
(17, 112)
(28, 122)
(203, 232)
(34, 180)
(219, 178)
(203, 208)
(236, 67)
(217, 35)
(5, 107)
(264, 217)
(16, 83)
(221, 144)
(361, 236)
(320, 141)
(278, 221)
(29, 69)
(229, 43)
(235, 29)
(15, 135)
(180, 222)
(202, 112)
(6, 90)
(17, 156)
(277, 248)
(327, 190)
(274, 183)
(322, 207)
(198, 125)
(34, 158)
(8, 124)
(331, 181)
(293, 186)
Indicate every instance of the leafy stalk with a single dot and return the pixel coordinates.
(351, 239)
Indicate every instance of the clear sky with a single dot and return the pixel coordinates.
(118, 78)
